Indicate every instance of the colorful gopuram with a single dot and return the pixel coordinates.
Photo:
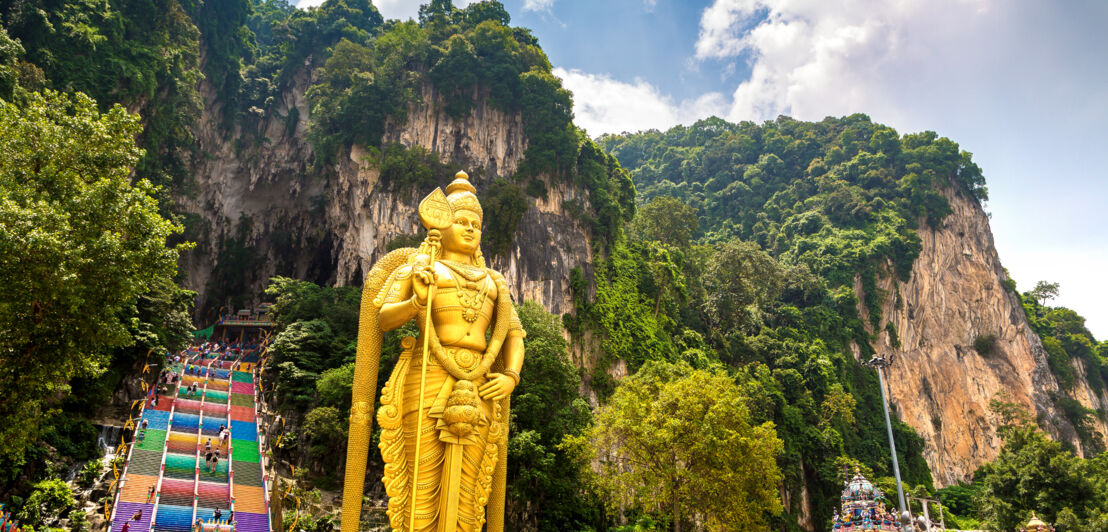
(863, 508)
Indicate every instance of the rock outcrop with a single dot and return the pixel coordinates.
(940, 384)
(260, 192)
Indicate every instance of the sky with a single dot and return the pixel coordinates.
(1022, 84)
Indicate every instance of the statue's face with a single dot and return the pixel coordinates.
(464, 235)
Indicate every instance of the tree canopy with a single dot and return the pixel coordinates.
(681, 443)
(79, 244)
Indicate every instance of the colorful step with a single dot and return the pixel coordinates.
(246, 451)
(156, 419)
(249, 499)
(181, 443)
(152, 441)
(243, 388)
(215, 396)
(185, 422)
(165, 404)
(137, 488)
(212, 495)
(244, 430)
(173, 518)
(242, 413)
(241, 399)
(180, 466)
(144, 462)
(176, 492)
(126, 511)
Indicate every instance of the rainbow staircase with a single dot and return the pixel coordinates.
(171, 456)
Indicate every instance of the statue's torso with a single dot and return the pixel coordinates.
(461, 295)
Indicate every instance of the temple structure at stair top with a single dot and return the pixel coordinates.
(248, 325)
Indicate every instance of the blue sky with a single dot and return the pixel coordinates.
(1023, 84)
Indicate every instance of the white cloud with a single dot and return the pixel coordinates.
(720, 28)
(604, 105)
(393, 9)
(538, 5)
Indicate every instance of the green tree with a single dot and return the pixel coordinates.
(504, 205)
(1044, 291)
(10, 54)
(667, 220)
(678, 442)
(335, 386)
(1032, 473)
(740, 280)
(50, 500)
(325, 429)
(545, 494)
(79, 244)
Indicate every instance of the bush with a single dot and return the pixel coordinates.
(90, 473)
(504, 206)
(50, 500)
(985, 345)
(78, 521)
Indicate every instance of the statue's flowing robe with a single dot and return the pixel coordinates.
(480, 450)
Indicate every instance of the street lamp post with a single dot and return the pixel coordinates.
(880, 363)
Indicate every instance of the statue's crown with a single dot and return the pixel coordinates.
(462, 196)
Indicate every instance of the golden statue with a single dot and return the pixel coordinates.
(451, 387)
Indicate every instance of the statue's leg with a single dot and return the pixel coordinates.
(431, 449)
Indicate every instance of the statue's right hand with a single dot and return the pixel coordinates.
(422, 277)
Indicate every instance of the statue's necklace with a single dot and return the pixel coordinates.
(473, 287)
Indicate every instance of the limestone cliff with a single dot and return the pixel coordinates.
(940, 384)
(260, 202)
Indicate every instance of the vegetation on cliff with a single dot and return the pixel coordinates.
(1074, 356)
(789, 216)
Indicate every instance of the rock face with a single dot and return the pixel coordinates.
(939, 383)
(329, 227)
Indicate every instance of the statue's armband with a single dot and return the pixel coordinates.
(399, 286)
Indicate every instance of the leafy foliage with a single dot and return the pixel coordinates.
(1032, 473)
(406, 170)
(79, 245)
(50, 500)
(1069, 345)
(504, 206)
(673, 439)
(129, 51)
(747, 247)
(545, 494)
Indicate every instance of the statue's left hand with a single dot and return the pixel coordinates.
(498, 387)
